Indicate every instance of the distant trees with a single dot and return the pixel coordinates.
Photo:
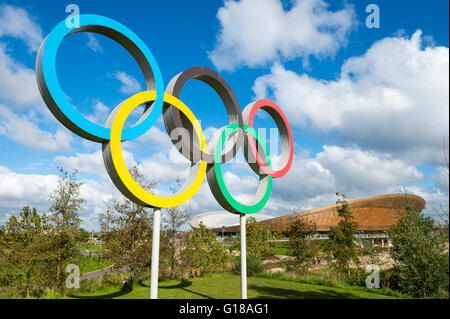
(127, 231)
(421, 267)
(39, 246)
(38, 253)
(341, 238)
(26, 240)
(300, 244)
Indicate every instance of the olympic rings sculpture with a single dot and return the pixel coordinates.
(206, 159)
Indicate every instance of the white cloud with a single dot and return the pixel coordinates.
(17, 82)
(165, 168)
(129, 84)
(394, 98)
(254, 32)
(94, 44)
(441, 178)
(312, 182)
(307, 178)
(366, 171)
(436, 201)
(155, 137)
(18, 190)
(242, 184)
(91, 163)
(101, 113)
(15, 22)
(224, 218)
(21, 129)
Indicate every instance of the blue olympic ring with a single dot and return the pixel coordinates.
(64, 110)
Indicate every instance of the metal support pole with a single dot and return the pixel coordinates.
(155, 253)
(243, 259)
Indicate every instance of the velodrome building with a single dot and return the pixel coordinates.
(375, 216)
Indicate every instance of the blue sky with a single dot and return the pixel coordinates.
(368, 107)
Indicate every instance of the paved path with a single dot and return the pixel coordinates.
(97, 273)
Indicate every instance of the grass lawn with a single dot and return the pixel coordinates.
(90, 247)
(282, 250)
(88, 264)
(225, 286)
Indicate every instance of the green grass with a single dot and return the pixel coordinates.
(282, 250)
(226, 286)
(90, 247)
(321, 277)
(88, 264)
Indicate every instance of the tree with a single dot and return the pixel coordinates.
(127, 231)
(341, 238)
(258, 241)
(65, 204)
(442, 211)
(65, 200)
(203, 253)
(173, 220)
(23, 237)
(40, 246)
(278, 235)
(300, 243)
(33, 253)
(421, 267)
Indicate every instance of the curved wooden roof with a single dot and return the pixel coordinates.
(375, 213)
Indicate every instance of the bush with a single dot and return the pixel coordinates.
(421, 267)
(300, 245)
(203, 253)
(357, 276)
(258, 240)
(254, 266)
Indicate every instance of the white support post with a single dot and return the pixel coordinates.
(243, 259)
(155, 253)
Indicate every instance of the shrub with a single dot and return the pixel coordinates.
(254, 266)
(203, 253)
(421, 267)
(257, 239)
(301, 246)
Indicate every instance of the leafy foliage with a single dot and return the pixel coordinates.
(421, 267)
(65, 200)
(254, 266)
(37, 253)
(127, 231)
(258, 241)
(203, 253)
(301, 246)
(173, 220)
(39, 247)
(341, 238)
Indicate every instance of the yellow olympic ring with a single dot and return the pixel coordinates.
(118, 163)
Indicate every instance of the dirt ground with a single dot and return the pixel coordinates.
(382, 260)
